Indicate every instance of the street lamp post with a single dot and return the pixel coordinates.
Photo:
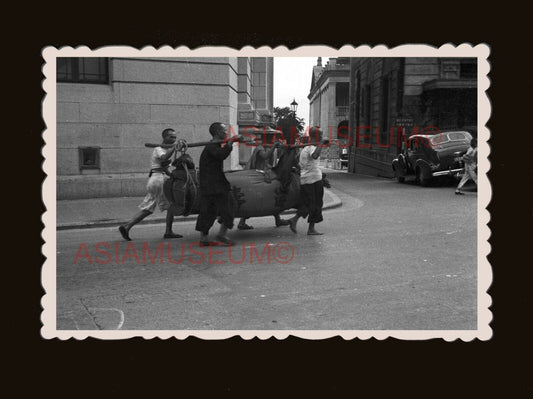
(294, 106)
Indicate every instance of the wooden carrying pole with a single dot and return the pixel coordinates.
(306, 143)
(204, 143)
(198, 143)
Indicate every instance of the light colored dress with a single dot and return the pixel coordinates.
(155, 196)
(470, 159)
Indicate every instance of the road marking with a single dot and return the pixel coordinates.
(115, 310)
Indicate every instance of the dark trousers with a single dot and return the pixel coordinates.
(312, 198)
(212, 206)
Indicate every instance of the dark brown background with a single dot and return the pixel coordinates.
(361, 368)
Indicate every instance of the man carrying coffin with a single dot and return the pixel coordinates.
(155, 198)
(214, 187)
(311, 183)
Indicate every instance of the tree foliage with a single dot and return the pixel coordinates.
(285, 119)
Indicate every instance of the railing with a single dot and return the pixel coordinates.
(342, 111)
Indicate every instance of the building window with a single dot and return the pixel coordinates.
(367, 105)
(343, 61)
(358, 100)
(468, 70)
(383, 129)
(89, 157)
(399, 85)
(450, 70)
(83, 70)
(342, 94)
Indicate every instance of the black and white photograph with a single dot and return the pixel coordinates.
(266, 192)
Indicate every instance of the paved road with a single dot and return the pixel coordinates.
(394, 257)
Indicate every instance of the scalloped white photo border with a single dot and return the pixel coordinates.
(484, 270)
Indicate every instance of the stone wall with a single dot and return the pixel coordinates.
(384, 91)
(143, 97)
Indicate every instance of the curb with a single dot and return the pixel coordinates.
(335, 203)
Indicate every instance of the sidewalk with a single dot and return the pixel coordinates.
(102, 212)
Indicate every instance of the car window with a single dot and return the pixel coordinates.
(438, 139)
(457, 136)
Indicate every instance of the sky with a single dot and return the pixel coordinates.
(292, 80)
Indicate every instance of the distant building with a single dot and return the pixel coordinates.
(108, 108)
(329, 100)
(416, 93)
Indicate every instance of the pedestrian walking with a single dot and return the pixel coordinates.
(155, 196)
(311, 184)
(470, 160)
(214, 187)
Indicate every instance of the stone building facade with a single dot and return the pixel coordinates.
(418, 94)
(108, 108)
(329, 100)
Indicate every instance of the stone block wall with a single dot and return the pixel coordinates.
(143, 97)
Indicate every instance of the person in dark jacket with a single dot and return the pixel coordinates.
(214, 187)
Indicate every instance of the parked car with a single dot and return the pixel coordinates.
(344, 157)
(428, 156)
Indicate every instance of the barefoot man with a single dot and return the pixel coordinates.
(311, 185)
(155, 196)
(214, 187)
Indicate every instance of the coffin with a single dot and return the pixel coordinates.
(252, 194)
